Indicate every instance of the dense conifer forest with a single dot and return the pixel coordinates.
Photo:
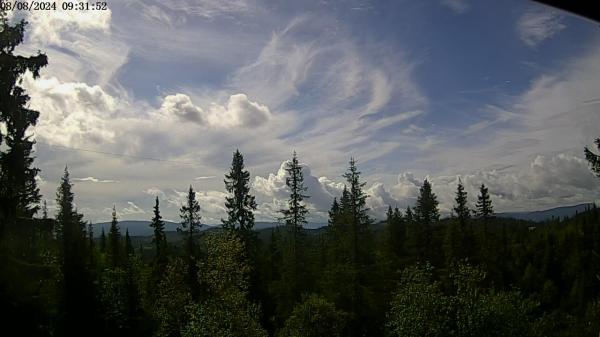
(414, 274)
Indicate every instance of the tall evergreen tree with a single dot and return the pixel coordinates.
(396, 234)
(484, 206)
(129, 251)
(159, 238)
(19, 194)
(295, 215)
(334, 212)
(240, 204)
(77, 290)
(295, 218)
(426, 214)
(593, 159)
(44, 210)
(463, 215)
(103, 241)
(114, 241)
(359, 246)
(190, 225)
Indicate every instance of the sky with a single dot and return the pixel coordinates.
(148, 97)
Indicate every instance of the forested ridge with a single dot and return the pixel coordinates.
(413, 274)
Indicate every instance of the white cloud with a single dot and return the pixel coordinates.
(95, 180)
(181, 106)
(132, 209)
(71, 112)
(204, 177)
(238, 112)
(539, 24)
(458, 6)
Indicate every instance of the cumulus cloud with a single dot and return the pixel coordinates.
(239, 111)
(539, 24)
(71, 112)
(181, 106)
(539, 185)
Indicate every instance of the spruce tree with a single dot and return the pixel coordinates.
(593, 159)
(461, 209)
(103, 241)
(240, 204)
(114, 241)
(360, 252)
(463, 217)
(426, 215)
(159, 238)
(484, 204)
(77, 287)
(190, 220)
(295, 218)
(334, 213)
(128, 245)
(44, 210)
(19, 194)
(295, 215)
(190, 225)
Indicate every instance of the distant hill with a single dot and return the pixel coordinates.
(142, 227)
(539, 216)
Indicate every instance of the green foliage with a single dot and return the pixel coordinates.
(173, 296)
(420, 308)
(19, 194)
(314, 317)
(226, 311)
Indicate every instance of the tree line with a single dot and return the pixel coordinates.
(413, 274)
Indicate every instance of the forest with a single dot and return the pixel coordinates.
(413, 274)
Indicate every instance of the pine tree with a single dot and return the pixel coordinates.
(240, 204)
(19, 194)
(114, 241)
(426, 214)
(159, 238)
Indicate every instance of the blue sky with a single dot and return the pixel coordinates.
(502, 93)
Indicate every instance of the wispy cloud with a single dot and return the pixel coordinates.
(458, 6)
(95, 180)
(539, 24)
(204, 177)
